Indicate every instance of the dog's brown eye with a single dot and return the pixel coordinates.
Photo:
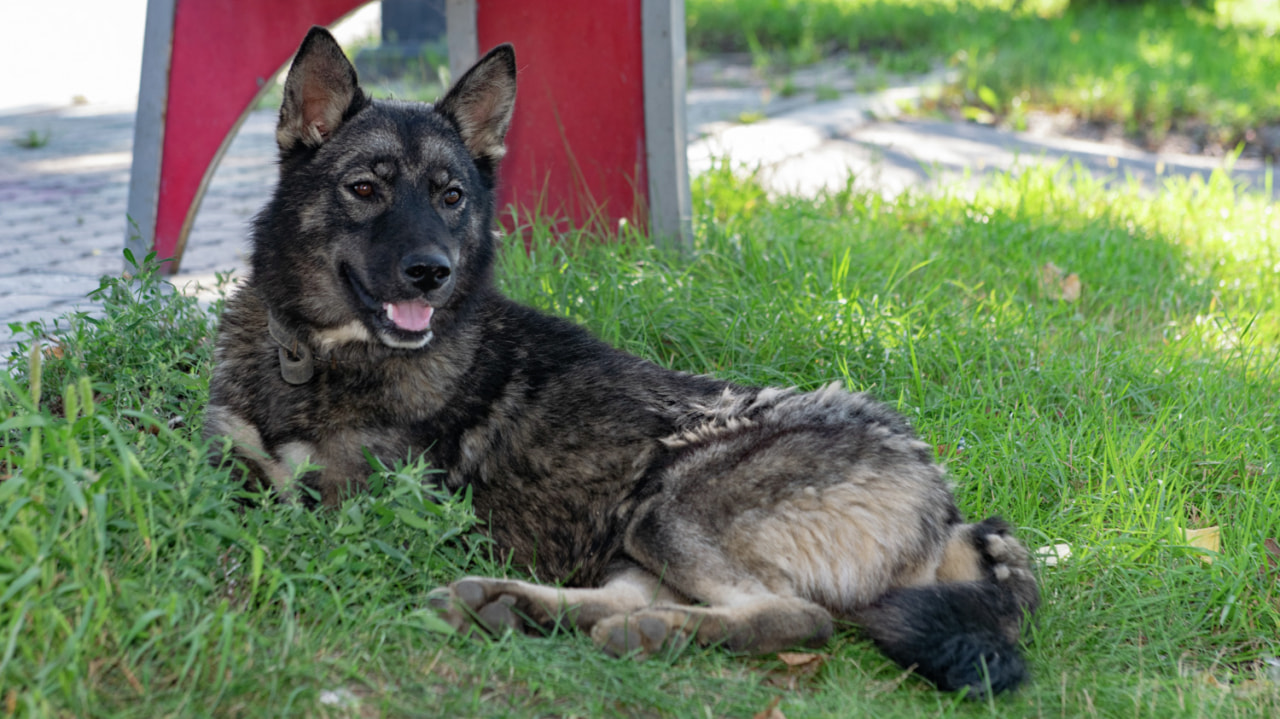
(452, 196)
(363, 189)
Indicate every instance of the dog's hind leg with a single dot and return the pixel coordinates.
(499, 604)
(742, 604)
(757, 623)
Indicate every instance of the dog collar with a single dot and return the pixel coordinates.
(297, 361)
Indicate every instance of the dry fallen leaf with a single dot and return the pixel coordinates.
(1056, 284)
(1071, 287)
(1273, 552)
(1051, 554)
(1207, 538)
(132, 678)
(800, 665)
(801, 659)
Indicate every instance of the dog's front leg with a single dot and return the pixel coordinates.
(254, 466)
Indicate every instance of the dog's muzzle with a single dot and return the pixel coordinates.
(404, 324)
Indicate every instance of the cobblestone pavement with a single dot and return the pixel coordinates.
(62, 208)
(62, 204)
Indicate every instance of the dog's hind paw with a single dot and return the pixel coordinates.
(637, 635)
(471, 602)
(1003, 554)
(499, 616)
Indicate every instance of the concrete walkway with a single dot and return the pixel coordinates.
(62, 208)
(62, 204)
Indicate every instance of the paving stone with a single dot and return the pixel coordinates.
(18, 302)
(41, 284)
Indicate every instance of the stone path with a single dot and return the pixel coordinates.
(62, 204)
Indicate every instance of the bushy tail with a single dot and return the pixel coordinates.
(962, 634)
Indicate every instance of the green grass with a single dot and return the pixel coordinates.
(32, 139)
(1151, 68)
(135, 582)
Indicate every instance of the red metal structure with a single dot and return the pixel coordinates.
(581, 162)
(598, 133)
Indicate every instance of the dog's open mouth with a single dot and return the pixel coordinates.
(405, 324)
(409, 316)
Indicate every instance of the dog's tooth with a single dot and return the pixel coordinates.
(391, 310)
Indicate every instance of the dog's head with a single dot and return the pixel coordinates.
(381, 228)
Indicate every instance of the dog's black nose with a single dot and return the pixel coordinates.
(426, 271)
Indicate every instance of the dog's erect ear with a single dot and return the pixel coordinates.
(481, 103)
(320, 91)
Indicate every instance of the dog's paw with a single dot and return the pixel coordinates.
(1000, 550)
(1006, 556)
(638, 635)
(476, 602)
(1008, 564)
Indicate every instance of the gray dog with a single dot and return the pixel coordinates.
(662, 507)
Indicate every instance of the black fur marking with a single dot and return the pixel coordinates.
(950, 633)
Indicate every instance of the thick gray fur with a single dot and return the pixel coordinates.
(653, 507)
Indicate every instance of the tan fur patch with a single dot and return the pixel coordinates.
(758, 623)
(960, 562)
(626, 592)
(353, 331)
(840, 547)
(222, 421)
(245, 437)
(283, 472)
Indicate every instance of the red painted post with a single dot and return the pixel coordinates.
(220, 55)
(576, 149)
(227, 50)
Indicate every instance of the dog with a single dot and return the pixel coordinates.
(656, 508)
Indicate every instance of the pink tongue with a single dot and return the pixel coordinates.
(409, 316)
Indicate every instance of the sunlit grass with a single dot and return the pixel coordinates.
(1151, 68)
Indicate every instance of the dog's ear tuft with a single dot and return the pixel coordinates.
(320, 92)
(480, 105)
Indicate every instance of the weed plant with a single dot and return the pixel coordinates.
(32, 139)
(135, 580)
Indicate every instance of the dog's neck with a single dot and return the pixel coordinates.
(303, 352)
(297, 358)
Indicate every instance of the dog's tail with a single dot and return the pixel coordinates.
(963, 632)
